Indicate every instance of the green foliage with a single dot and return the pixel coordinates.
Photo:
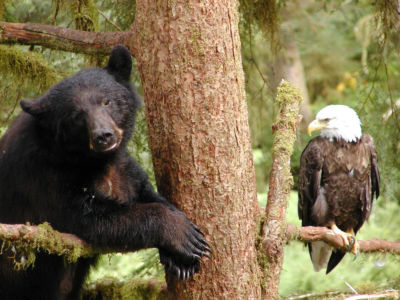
(22, 73)
(387, 13)
(27, 66)
(27, 10)
(112, 288)
(143, 264)
(264, 16)
(120, 12)
(2, 4)
(85, 15)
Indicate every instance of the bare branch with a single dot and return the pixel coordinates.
(312, 234)
(387, 294)
(58, 38)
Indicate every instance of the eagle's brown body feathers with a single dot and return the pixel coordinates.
(337, 183)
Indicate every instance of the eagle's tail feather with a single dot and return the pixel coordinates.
(336, 257)
(320, 253)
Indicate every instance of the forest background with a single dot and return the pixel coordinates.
(339, 49)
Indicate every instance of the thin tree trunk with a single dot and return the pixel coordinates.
(292, 68)
(289, 66)
(280, 184)
(188, 54)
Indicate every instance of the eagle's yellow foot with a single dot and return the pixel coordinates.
(355, 248)
(348, 238)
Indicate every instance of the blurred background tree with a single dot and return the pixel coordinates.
(341, 52)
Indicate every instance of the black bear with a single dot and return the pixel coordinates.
(64, 161)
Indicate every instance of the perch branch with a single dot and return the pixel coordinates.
(280, 184)
(58, 38)
(312, 234)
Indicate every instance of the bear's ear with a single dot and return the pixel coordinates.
(35, 108)
(120, 63)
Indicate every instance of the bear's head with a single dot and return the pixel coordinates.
(92, 112)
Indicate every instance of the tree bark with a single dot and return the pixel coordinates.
(280, 184)
(59, 38)
(188, 54)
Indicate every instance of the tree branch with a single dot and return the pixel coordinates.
(58, 38)
(32, 238)
(387, 294)
(312, 234)
(27, 239)
(280, 184)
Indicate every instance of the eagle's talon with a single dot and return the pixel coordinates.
(352, 242)
(355, 249)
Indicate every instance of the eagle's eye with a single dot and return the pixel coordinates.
(326, 120)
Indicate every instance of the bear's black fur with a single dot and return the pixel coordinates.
(64, 161)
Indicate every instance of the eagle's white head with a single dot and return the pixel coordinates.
(337, 121)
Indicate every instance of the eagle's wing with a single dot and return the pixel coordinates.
(374, 180)
(309, 187)
(311, 162)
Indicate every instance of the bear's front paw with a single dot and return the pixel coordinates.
(185, 248)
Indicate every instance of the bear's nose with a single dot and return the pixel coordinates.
(103, 137)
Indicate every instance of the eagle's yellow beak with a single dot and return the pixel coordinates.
(315, 125)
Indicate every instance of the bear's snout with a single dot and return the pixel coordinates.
(104, 140)
(104, 134)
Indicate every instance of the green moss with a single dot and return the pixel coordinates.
(25, 66)
(111, 288)
(86, 15)
(262, 257)
(52, 241)
(23, 249)
(2, 3)
(387, 15)
(265, 15)
(287, 94)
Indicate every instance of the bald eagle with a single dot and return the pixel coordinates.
(337, 181)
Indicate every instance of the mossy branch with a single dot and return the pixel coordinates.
(312, 234)
(23, 241)
(280, 184)
(65, 39)
(27, 239)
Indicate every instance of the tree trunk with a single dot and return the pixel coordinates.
(289, 66)
(293, 71)
(188, 54)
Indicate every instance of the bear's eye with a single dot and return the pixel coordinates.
(106, 102)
